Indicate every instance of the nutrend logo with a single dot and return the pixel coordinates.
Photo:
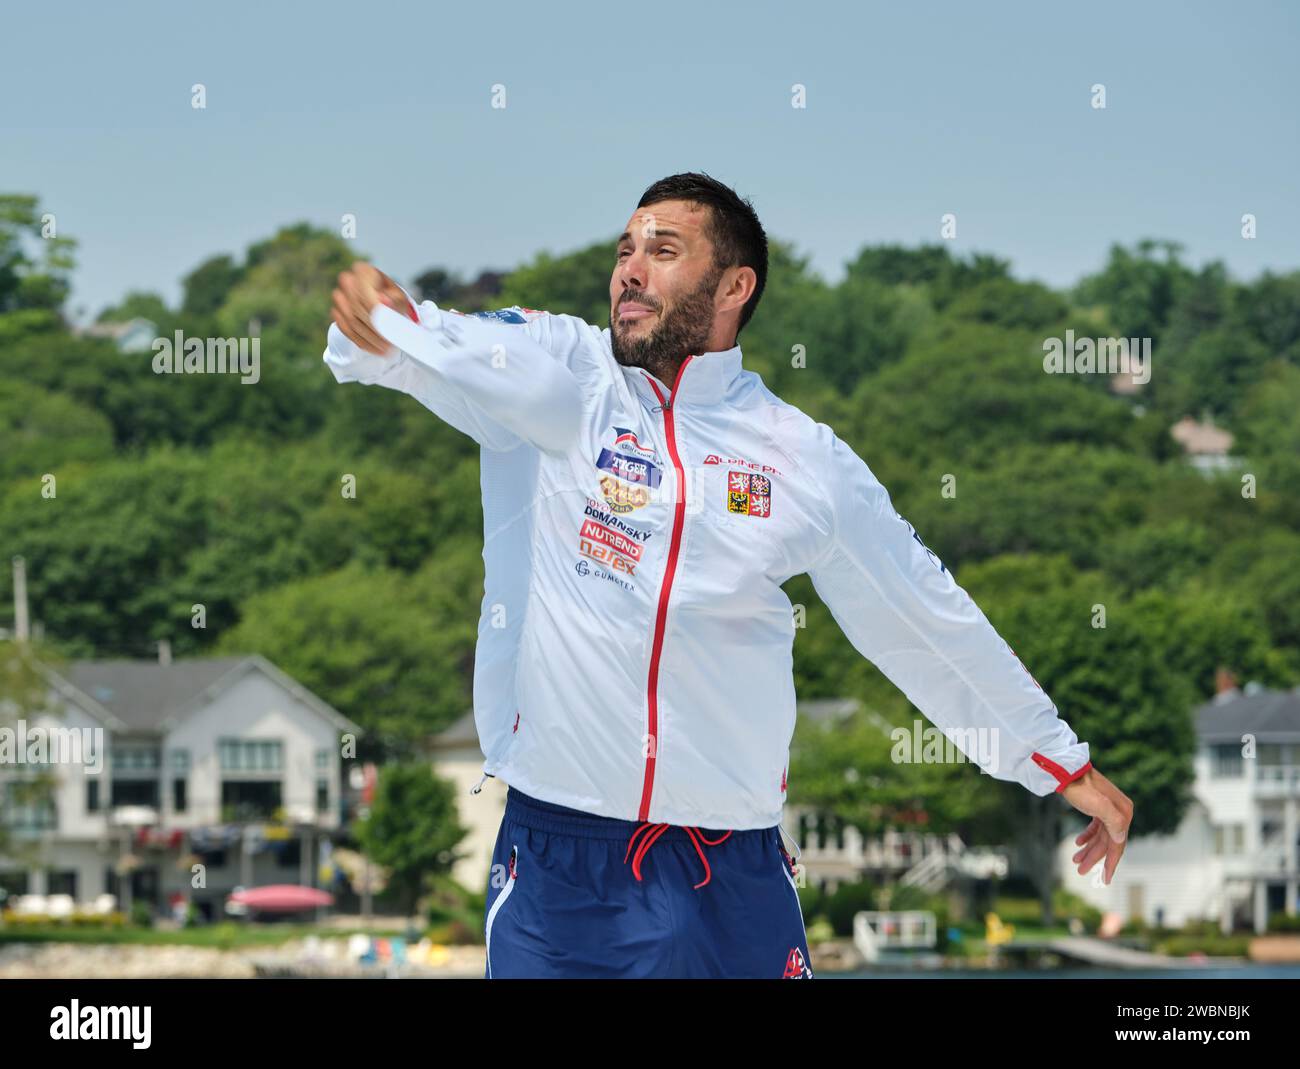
(76, 1021)
(44, 746)
(208, 356)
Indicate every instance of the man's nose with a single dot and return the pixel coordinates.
(631, 272)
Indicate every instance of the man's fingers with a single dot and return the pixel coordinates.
(357, 326)
(353, 326)
(1089, 856)
(1088, 832)
(1113, 855)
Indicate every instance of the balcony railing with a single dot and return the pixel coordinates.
(1277, 779)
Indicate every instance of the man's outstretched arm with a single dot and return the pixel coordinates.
(901, 609)
(496, 382)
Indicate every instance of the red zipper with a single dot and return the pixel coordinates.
(679, 519)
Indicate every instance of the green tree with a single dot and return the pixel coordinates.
(412, 828)
(137, 304)
(30, 279)
(1139, 287)
(393, 652)
(43, 431)
(206, 288)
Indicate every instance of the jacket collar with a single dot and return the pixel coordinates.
(704, 379)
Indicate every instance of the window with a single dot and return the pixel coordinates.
(322, 796)
(92, 795)
(134, 759)
(179, 798)
(61, 883)
(180, 762)
(13, 882)
(1225, 760)
(26, 809)
(250, 755)
(1229, 839)
(322, 760)
(249, 799)
(135, 792)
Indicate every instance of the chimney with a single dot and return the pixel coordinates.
(1224, 681)
(21, 632)
(164, 651)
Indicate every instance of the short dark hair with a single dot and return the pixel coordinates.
(733, 227)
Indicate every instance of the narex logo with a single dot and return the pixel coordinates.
(102, 1022)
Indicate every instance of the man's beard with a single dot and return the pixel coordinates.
(682, 332)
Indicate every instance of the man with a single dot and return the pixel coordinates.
(644, 498)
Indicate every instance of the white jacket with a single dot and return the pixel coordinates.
(634, 655)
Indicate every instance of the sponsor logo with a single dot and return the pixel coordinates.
(749, 494)
(629, 469)
(627, 441)
(594, 510)
(608, 546)
(795, 966)
(583, 568)
(713, 458)
(501, 315)
(621, 497)
(616, 540)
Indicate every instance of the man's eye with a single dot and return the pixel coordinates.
(622, 253)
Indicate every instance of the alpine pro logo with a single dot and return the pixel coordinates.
(796, 968)
(749, 494)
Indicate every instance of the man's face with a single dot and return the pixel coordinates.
(662, 290)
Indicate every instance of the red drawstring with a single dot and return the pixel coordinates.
(696, 835)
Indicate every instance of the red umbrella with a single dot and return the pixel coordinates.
(282, 898)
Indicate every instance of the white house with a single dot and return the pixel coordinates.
(1233, 858)
(225, 763)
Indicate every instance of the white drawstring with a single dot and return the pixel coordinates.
(797, 851)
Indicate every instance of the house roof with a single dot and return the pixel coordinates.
(461, 732)
(1201, 439)
(142, 694)
(1269, 715)
(150, 698)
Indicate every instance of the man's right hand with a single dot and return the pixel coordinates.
(360, 288)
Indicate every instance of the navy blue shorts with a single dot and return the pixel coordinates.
(573, 894)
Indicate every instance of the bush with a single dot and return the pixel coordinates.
(1217, 946)
(1022, 911)
(846, 902)
(141, 915)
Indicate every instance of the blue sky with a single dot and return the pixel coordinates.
(913, 110)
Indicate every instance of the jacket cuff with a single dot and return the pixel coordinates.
(1062, 777)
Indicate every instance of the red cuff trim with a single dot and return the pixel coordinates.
(410, 310)
(1062, 777)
